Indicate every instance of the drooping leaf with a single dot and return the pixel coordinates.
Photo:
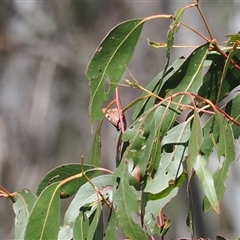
(25, 200)
(153, 209)
(81, 227)
(232, 109)
(174, 27)
(170, 167)
(63, 172)
(198, 162)
(210, 136)
(212, 78)
(151, 213)
(111, 232)
(95, 153)
(85, 196)
(126, 203)
(44, 219)
(137, 136)
(96, 231)
(109, 62)
(225, 148)
(188, 78)
(227, 63)
(154, 86)
(141, 136)
(172, 184)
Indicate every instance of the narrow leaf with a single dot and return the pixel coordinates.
(174, 27)
(225, 148)
(63, 172)
(154, 86)
(85, 196)
(25, 200)
(95, 153)
(81, 227)
(109, 61)
(198, 162)
(234, 37)
(126, 204)
(111, 232)
(156, 44)
(95, 231)
(170, 167)
(232, 109)
(212, 78)
(210, 136)
(153, 209)
(45, 217)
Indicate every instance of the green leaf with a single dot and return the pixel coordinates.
(44, 219)
(219, 237)
(177, 183)
(174, 27)
(159, 201)
(63, 172)
(155, 122)
(206, 182)
(126, 204)
(111, 232)
(137, 135)
(174, 151)
(188, 78)
(95, 153)
(95, 231)
(156, 44)
(198, 162)
(234, 37)
(81, 227)
(25, 200)
(154, 86)
(232, 109)
(212, 78)
(225, 148)
(153, 209)
(225, 69)
(109, 62)
(210, 136)
(85, 196)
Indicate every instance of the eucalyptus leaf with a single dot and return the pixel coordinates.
(212, 78)
(109, 62)
(96, 231)
(226, 149)
(198, 163)
(170, 167)
(174, 27)
(154, 86)
(81, 227)
(125, 199)
(232, 109)
(153, 209)
(86, 196)
(63, 172)
(22, 207)
(95, 153)
(111, 232)
(44, 218)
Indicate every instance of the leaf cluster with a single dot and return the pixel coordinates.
(187, 111)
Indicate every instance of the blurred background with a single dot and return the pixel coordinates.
(45, 47)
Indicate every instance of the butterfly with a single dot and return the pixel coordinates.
(113, 117)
